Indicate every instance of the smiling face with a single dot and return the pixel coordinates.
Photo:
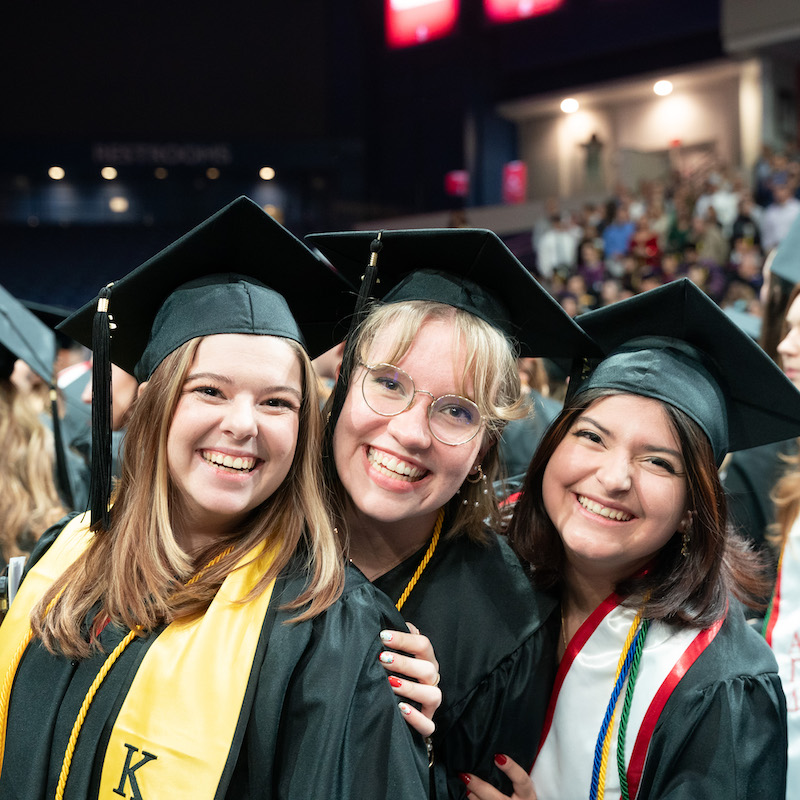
(789, 347)
(394, 470)
(233, 436)
(615, 487)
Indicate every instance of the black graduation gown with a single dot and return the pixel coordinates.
(497, 664)
(722, 733)
(749, 478)
(319, 719)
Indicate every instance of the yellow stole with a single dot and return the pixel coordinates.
(174, 731)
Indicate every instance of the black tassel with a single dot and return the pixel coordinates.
(368, 281)
(62, 472)
(100, 484)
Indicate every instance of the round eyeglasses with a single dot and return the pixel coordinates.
(389, 391)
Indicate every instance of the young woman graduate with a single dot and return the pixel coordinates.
(199, 638)
(663, 690)
(432, 380)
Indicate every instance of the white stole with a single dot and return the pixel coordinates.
(583, 687)
(783, 636)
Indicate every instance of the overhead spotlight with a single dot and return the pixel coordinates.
(56, 173)
(569, 105)
(109, 173)
(212, 173)
(119, 205)
(662, 88)
(161, 173)
(266, 173)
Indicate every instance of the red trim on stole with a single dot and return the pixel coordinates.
(776, 604)
(510, 500)
(690, 655)
(573, 648)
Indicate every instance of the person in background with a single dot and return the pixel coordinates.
(779, 215)
(201, 636)
(662, 689)
(749, 476)
(422, 402)
(782, 623)
(29, 498)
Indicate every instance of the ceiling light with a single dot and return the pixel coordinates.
(570, 105)
(662, 88)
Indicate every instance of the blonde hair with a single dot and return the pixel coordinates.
(29, 502)
(786, 496)
(137, 571)
(491, 368)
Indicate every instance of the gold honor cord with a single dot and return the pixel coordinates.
(437, 529)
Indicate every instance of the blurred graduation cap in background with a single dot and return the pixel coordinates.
(786, 261)
(23, 336)
(674, 344)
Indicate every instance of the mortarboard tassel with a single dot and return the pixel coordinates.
(62, 473)
(368, 281)
(100, 483)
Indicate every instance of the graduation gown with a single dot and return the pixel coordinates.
(318, 717)
(720, 733)
(484, 619)
(749, 478)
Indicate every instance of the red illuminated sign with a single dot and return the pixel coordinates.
(456, 183)
(515, 182)
(510, 10)
(410, 22)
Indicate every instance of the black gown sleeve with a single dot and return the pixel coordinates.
(723, 732)
(730, 744)
(340, 734)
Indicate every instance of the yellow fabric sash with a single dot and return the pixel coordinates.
(174, 730)
(71, 542)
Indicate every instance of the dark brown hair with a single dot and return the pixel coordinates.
(688, 591)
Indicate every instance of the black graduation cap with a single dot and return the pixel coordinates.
(469, 268)
(227, 254)
(674, 344)
(24, 336)
(786, 262)
(239, 271)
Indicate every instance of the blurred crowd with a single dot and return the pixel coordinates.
(716, 228)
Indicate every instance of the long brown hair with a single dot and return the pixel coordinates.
(29, 502)
(689, 590)
(491, 364)
(136, 572)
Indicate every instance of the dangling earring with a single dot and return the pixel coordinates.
(686, 537)
(479, 476)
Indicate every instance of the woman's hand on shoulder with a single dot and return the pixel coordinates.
(520, 781)
(415, 675)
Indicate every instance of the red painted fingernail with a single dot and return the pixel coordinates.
(500, 759)
(464, 777)
(396, 682)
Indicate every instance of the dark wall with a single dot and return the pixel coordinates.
(426, 94)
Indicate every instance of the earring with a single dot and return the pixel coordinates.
(686, 538)
(479, 476)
